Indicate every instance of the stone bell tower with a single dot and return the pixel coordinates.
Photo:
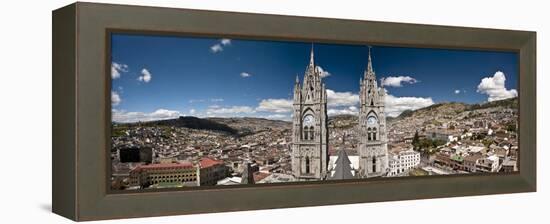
(309, 126)
(373, 148)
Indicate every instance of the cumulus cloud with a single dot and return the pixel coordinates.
(115, 98)
(225, 41)
(145, 76)
(128, 117)
(245, 74)
(192, 111)
(218, 47)
(335, 99)
(323, 73)
(397, 81)
(229, 111)
(339, 111)
(494, 87)
(396, 105)
(457, 91)
(283, 117)
(117, 69)
(275, 105)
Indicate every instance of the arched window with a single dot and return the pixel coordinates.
(374, 164)
(374, 134)
(307, 126)
(369, 136)
(308, 133)
(307, 164)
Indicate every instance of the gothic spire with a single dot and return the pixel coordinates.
(369, 73)
(369, 66)
(311, 60)
(297, 79)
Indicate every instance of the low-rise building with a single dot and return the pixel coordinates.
(488, 164)
(471, 161)
(403, 161)
(212, 170)
(509, 165)
(159, 175)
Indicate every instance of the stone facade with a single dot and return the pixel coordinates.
(373, 149)
(309, 130)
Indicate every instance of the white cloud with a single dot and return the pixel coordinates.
(275, 105)
(216, 100)
(245, 74)
(225, 41)
(192, 111)
(218, 47)
(229, 111)
(323, 73)
(283, 117)
(495, 87)
(160, 114)
(396, 105)
(145, 76)
(349, 110)
(335, 99)
(117, 69)
(457, 91)
(115, 98)
(396, 81)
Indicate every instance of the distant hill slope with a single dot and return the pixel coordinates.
(507, 103)
(191, 122)
(447, 108)
(248, 125)
(233, 126)
(454, 108)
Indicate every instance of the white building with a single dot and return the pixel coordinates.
(402, 162)
(488, 164)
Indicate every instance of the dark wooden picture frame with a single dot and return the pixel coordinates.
(81, 111)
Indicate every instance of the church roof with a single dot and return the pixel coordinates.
(342, 169)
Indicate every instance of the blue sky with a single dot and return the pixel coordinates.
(160, 77)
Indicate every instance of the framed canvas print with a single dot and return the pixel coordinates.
(200, 111)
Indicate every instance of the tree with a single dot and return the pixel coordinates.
(511, 127)
(415, 140)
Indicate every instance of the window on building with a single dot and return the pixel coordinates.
(369, 134)
(307, 164)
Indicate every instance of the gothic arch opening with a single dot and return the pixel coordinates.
(369, 134)
(307, 164)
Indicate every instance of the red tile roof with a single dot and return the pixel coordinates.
(260, 176)
(164, 166)
(208, 162)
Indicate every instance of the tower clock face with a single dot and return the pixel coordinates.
(308, 120)
(371, 120)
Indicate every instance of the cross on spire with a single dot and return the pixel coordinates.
(311, 60)
(369, 66)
